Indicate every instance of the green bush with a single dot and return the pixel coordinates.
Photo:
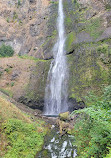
(24, 139)
(6, 51)
(92, 129)
(19, 2)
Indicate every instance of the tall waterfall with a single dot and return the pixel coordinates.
(56, 89)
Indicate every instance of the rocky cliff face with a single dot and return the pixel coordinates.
(88, 25)
(30, 27)
(26, 26)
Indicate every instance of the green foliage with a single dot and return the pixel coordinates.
(53, 2)
(103, 49)
(7, 70)
(7, 92)
(92, 129)
(108, 6)
(6, 51)
(109, 155)
(12, 84)
(107, 94)
(15, 16)
(20, 22)
(69, 41)
(25, 139)
(31, 58)
(19, 2)
(93, 27)
(8, 19)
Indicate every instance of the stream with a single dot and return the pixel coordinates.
(57, 146)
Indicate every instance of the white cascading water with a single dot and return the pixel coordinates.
(56, 89)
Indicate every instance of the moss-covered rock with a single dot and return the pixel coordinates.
(35, 90)
(64, 116)
(88, 39)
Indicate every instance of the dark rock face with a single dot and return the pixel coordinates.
(32, 1)
(31, 103)
(39, 104)
(74, 105)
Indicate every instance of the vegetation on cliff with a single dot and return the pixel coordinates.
(19, 135)
(6, 51)
(92, 129)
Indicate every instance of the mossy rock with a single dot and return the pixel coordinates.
(69, 46)
(64, 116)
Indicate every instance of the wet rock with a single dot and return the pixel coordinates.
(63, 126)
(74, 105)
(39, 104)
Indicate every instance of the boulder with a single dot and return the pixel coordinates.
(64, 116)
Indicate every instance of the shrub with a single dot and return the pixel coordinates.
(92, 129)
(19, 2)
(24, 139)
(6, 51)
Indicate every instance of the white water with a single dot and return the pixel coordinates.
(57, 146)
(56, 89)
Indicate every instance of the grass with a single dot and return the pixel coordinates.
(7, 92)
(20, 137)
(31, 58)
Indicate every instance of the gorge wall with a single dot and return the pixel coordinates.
(29, 26)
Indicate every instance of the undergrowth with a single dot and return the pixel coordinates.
(25, 139)
(20, 137)
(6, 51)
(92, 129)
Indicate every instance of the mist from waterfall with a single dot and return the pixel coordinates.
(56, 89)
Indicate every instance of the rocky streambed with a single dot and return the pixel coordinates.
(57, 145)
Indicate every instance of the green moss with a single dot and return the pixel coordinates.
(68, 20)
(53, 2)
(36, 87)
(93, 28)
(103, 48)
(15, 15)
(31, 58)
(87, 71)
(108, 6)
(7, 92)
(69, 41)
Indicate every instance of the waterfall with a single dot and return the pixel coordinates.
(56, 89)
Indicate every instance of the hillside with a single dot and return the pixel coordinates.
(20, 133)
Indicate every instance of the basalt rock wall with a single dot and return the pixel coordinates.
(88, 46)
